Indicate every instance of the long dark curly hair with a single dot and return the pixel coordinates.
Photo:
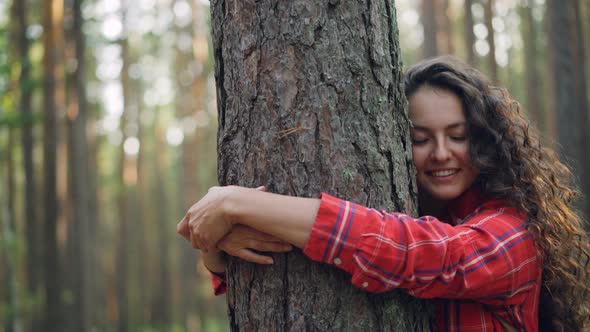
(514, 166)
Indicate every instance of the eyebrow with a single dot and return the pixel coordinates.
(451, 126)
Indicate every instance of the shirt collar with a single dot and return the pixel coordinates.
(465, 204)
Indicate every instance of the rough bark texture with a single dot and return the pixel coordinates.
(569, 84)
(309, 100)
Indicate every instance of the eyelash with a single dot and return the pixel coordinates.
(455, 138)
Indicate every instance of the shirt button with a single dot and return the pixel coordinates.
(337, 261)
(365, 284)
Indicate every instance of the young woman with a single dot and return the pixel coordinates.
(499, 246)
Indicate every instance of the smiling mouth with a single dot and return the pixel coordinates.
(443, 173)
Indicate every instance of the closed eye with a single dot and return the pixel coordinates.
(419, 141)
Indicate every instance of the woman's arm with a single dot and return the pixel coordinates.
(210, 219)
(285, 217)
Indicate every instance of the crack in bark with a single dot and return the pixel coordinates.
(219, 55)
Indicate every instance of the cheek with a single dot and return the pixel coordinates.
(419, 156)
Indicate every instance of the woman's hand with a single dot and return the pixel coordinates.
(244, 242)
(284, 217)
(207, 222)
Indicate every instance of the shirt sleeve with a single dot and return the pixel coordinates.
(218, 283)
(491, 258)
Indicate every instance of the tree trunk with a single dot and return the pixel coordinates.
(32, 225)
(571, 108)
(308, 105)
(489, 16)
(430, 46)
(78, 165)
(191, 89)
(8, 242)
(534, 104)
(469, 36)
(51, 255)
(123, 196)
(161, 301)
(583, 109)
(445, 33)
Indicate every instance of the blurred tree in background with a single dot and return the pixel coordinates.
(108, 127)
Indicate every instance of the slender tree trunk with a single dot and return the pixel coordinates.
(568, 69)
(469, 36)
(78, 165)
(430, 46)
(586, 21)
(51, 256)
(315, 105)
(33, 261)
(161, 303)
(445, 35)
(123, 206)
(191, 91)
(489, 16)
(534, 102)
(583, 109)
(13, 322)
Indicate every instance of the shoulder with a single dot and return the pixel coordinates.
(500, 220)
(496, 212)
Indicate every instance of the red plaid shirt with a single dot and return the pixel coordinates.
(480, 267)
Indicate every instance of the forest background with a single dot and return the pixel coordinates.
(108, 127)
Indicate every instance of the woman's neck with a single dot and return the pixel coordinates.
(430, 206)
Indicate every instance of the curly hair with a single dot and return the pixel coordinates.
(515, 167)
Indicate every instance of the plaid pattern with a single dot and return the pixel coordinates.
(480, 267)
(218, 283)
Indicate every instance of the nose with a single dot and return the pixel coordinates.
(441, 151)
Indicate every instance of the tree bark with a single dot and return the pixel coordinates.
(430, 45)
(489, 16)
(534, 104)
(309, 100)
(51, 255)
(571, 106)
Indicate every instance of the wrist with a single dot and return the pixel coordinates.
(214, 261)
(231, 209)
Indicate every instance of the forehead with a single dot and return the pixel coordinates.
(432, 108)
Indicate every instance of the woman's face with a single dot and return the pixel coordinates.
(440, 144)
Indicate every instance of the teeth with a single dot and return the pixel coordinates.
(444, 173)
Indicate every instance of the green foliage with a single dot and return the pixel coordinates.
(18, 120)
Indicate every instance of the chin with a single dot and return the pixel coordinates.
(445, 196)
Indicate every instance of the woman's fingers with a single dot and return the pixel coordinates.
(271, 246)
(251, 256)
(183, 229)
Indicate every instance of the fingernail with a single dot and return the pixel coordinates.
(270, 261)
